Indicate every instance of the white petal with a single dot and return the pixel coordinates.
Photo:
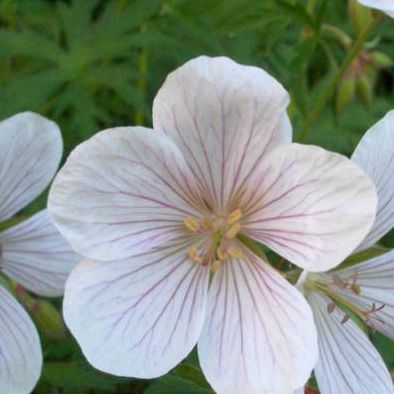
(259, 335)
(311, 206)
(386, 6)
(30, 152)
(37, 256)
(348, 362)
(121, 193)
(375, 278)
(375, 155)
(225, 117)
(20, 349)
(137, 317)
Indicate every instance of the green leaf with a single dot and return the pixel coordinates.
(385, 347)
(175, 385)
(29, 92)
(364, 255)
(28, 42)
(78, 374)
(192, 374)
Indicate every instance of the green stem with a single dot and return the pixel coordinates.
(252, 246)
(142, 68)
(337, 34)
(354, 50)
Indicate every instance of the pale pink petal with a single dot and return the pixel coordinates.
(224, 117)
(30, 152)
(386, 6)
(311, 206)
(121, 193)
(348, 362)
(20, 349)
(375, 282)
(137, 317)
(35, 254)
(375, 155)
(259, 335)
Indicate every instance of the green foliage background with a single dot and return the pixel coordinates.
(94, 64)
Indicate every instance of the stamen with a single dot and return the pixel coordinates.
(215, 265)
(330, 307)
(234, 216)
(342, 284)
(345, 319)
(337, 281)
(356, 288)
(193, 255)
(191, 224)
(221, 253)
(233, 230)
(206, 224)
(234, 252)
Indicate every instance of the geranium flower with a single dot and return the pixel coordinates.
(31, 252)
(159, 213)
(348, 362)
(387, 6)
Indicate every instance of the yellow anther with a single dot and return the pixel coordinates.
(191, 224)
(356, 288)
(234, 216)
(221, 253)
(233, 230)
(215, 265)
(193, 255)
(235, 252)
(206, 224)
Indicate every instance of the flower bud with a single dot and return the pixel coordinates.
(345, 93)
(48, 319)
(360, 16)
(364, 88)
(381, 60)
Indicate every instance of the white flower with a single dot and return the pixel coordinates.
(32, 252)
(348, 362)
(386, 6)
(157, 212)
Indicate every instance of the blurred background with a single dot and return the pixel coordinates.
(94, 64)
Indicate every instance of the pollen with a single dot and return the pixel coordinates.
(233, 230)
(235, 252)
(193, 255)
(215, 265)
(220, 230)
(191, 224)
(221, 253)
(234, 216)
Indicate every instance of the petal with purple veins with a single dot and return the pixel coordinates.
(140, 316)
(311, 206)
(373, 291)
(259, 335)
(121, 193)
(225, 117)
(348, 362)
(20, 349)
(30, 151)
(375, 155)
(37, 256)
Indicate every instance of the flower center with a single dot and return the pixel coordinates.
(222, 230)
